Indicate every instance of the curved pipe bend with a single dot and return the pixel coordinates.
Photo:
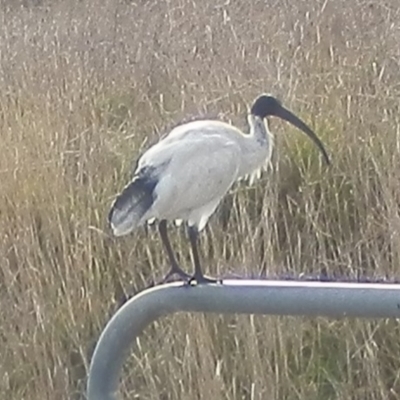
(264, 297)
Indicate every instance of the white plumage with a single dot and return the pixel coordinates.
(186, 174)
(196, 165)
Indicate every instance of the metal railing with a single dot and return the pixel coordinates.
(264, 297)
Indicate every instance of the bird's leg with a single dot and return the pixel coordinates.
(198, 273)
(175, 268)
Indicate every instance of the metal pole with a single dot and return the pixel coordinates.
(268, 297)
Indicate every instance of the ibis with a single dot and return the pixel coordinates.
(186, 174)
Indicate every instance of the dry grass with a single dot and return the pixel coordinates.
(85, 86)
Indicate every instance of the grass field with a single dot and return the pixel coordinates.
(86, 86)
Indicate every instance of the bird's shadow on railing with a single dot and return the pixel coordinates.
(323, 276)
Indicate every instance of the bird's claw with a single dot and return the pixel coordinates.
(190, 280)
(175, 270)
(200, 280)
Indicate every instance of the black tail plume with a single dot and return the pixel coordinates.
(130, 206)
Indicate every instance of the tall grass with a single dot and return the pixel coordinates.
(86, 86)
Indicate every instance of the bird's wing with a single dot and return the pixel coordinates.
(207, 133)
(200, 127)
(198, 171)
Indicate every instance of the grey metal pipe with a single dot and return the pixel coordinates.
(265, 297)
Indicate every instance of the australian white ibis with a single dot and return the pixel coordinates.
(186, 174)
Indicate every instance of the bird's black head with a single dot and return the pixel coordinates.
(265, 105)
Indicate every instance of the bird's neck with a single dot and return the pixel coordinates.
(259, 129)
(257, 146)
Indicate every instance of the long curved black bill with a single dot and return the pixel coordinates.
(288, 116)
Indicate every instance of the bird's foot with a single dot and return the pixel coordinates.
(175, 270)
(200, 279)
